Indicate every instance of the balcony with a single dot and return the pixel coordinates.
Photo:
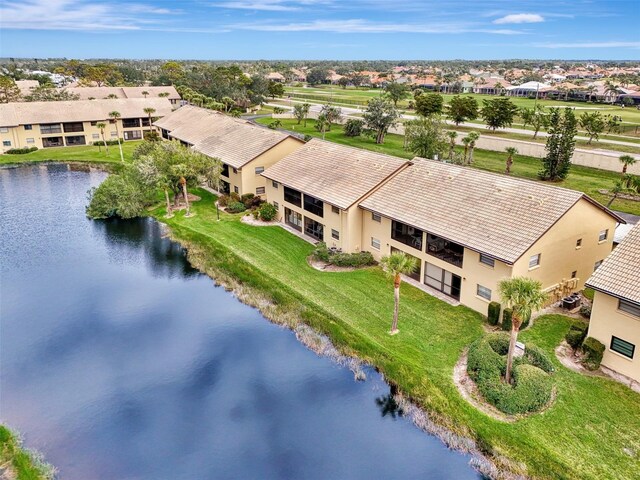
(130, 122)
(73, 127)
(445, 250)
(294, 197)
(403, 233)
(313, 229)
(313, 205)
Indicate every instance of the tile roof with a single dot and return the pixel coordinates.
(495, 214)
(233, 140)
(21, 113)
(123, 92)
(334, 173)
(619, 274)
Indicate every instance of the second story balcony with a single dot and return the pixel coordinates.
(407, 234)
(444, 249)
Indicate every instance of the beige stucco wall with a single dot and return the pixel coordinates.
(607, 321)
(559, 254)
(18, 135)
(248, 180)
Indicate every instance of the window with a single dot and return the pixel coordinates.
(225, 170)
(578, 243)
(6, 143)
(114, 134)
(294, 197)
(313, 205)
(31, 140)
(622, 347)
(52, 142)
(293, 219)
(46, 128)
(275, 204)
(4, 130)
(534, 261)
(260, 190)
(93, 124)
(574, 274)
(407, 234)
(95, 135)
(235, 189)
(75, 140)
(629, 307)
(335, 209)
(442, 280)
(483, 292)
(73, 127)
(274, 184)
(603, 235)
(259, 170)
(133, 135)
(487, 260)
(235, 170)
(28, 127)
(335, 234)
(130, 122)
(375, 243)
(313, 229)
(597, 264)
(375, 217)
(444, 249)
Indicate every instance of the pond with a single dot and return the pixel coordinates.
(120, 361)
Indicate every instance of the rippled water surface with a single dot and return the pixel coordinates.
(120, 361)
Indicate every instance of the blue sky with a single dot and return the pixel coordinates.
(321, 29)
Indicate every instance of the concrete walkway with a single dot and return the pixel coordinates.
(431, 291)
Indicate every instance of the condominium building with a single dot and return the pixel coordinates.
(70, 123)
(245, 149)
(615, 314)
(98, 93)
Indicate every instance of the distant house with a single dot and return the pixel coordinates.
(94, 93)
(244, 148)
(615, 314)
(490, 85)
(530, 89)
(276, 77)
(70, 123)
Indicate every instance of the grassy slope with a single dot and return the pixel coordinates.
(581, 436)
(86, 153)
(584, 179)
(11, 453)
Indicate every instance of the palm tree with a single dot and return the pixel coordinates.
(511, 151)
(322, 124)
(114, 117)
(466, 141)
(111, 96)
(473, 136)
(149, 111)
(616, 190)
(102, 126)
(452, 142)
(145, 93)
(626, 161)
(395, 265)
(523, 295)
(611, 90)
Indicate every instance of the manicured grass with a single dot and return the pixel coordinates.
(85, 153)
(14, 458)
(582, 435)
(584, 179)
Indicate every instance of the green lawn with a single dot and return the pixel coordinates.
(87, 153)
(584, 179)
(583, 435)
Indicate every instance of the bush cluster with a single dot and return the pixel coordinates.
(353, 127)
(236, 207)
(21, 151)
(493, 314)
(593, 351)
(100, 143)
(532, 386)
(576, 334)
(357, 259)
(585, 311)
(249, 201)
(266, 212)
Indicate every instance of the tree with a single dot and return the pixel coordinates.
(9, 91)
(102, 126)
(394, 266)
(114, 117)
(396, 91)
(317, 76)
(473, 136)
(511, 151)
(343, 82)
(172, 71)
(429, 104)
(353, 127)
(331, 113)
(149, 111)
(612, 122)
(379, 116)
(145, 94)
(616, 190)
(322, 124)
(536, 117)
(425, 136)
(498, 112)
(45, 93)
(611, 90)
(560, 145)
(593, 124)
(627, 161)
(301, 111)
(523, 296)
(228, 102)
(462, 109)
(276, 89)
(466, 141)
(452, 143)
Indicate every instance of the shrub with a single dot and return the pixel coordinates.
(576, 335)
(321, 252)
(532, 390)
(353, 127)
(307, 137)
(223, 200)
(536, 357)
(267, 212)
(236, 207)
(100, 143)
(234, 197)
(493, 314)
(21, 151)
(585, 311)
(506, 319)
(499, 343)
(358, 259)
(251, 201)
(593, 351)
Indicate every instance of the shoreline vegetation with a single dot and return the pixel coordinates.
(19, 463)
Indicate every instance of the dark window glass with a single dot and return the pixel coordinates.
(294, 197)
(629, 307)
(444, 249)
(622, 347)
(313, 205)
(406, 234)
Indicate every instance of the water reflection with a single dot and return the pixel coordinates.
(388, 404)
(120, 361)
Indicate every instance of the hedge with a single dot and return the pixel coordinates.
(576, 335)
(267, 212)
(506, 319)
(21, 151)
(236, 207)
(593, 351)
(357, 259)
(532, 385)
(493, 314)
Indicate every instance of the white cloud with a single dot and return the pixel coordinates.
(608, 44)
(519, 18)
(270, 5)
